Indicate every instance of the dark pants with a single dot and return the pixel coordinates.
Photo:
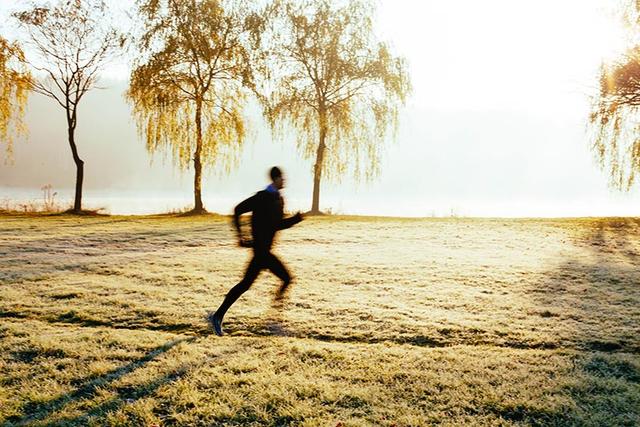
(261, 260)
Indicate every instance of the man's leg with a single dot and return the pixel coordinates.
(253, 269)
(278, 268)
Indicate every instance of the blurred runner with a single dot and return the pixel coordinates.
(267, 208)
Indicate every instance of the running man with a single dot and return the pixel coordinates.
(267, 207)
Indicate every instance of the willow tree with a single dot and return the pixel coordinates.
(615, 120)
(190, 86)
(70, 43)
(15, 82)
(336, 85)
(615, 114)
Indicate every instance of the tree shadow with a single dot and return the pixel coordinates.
(124, 396)
(603, 390)
(593, 295)
(590, 304)
(88, 388)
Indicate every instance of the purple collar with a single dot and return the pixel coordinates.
(272, 189)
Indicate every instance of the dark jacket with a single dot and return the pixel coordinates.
(267, 217)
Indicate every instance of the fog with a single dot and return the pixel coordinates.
(496, 126)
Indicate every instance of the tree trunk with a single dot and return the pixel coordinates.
(197, 162)
(317, 170)
(71, 129)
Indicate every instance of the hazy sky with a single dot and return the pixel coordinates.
(496, 125)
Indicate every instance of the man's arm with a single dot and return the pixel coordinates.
(291, 221)
(245, 206)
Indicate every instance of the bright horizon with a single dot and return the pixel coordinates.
(496, 126)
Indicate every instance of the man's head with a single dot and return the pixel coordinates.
(276, 177)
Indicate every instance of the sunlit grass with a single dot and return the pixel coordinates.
(390, 322)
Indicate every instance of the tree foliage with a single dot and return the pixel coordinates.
(615, 120)
(190, 86)
(336, 85)
(615, 113)
(70, 43)
(15, 81)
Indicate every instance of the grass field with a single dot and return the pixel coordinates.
(390, 322)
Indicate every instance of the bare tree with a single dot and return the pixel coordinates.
(15, 82)
(190, 85)
(70, 43)
(335, 84)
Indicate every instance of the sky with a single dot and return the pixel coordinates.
(496, 125)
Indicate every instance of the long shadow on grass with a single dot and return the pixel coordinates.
(270, 329)
(593, 298)
(125, 396)
(38, 411)
(84, 320)
(273, 324)
(604, 390)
